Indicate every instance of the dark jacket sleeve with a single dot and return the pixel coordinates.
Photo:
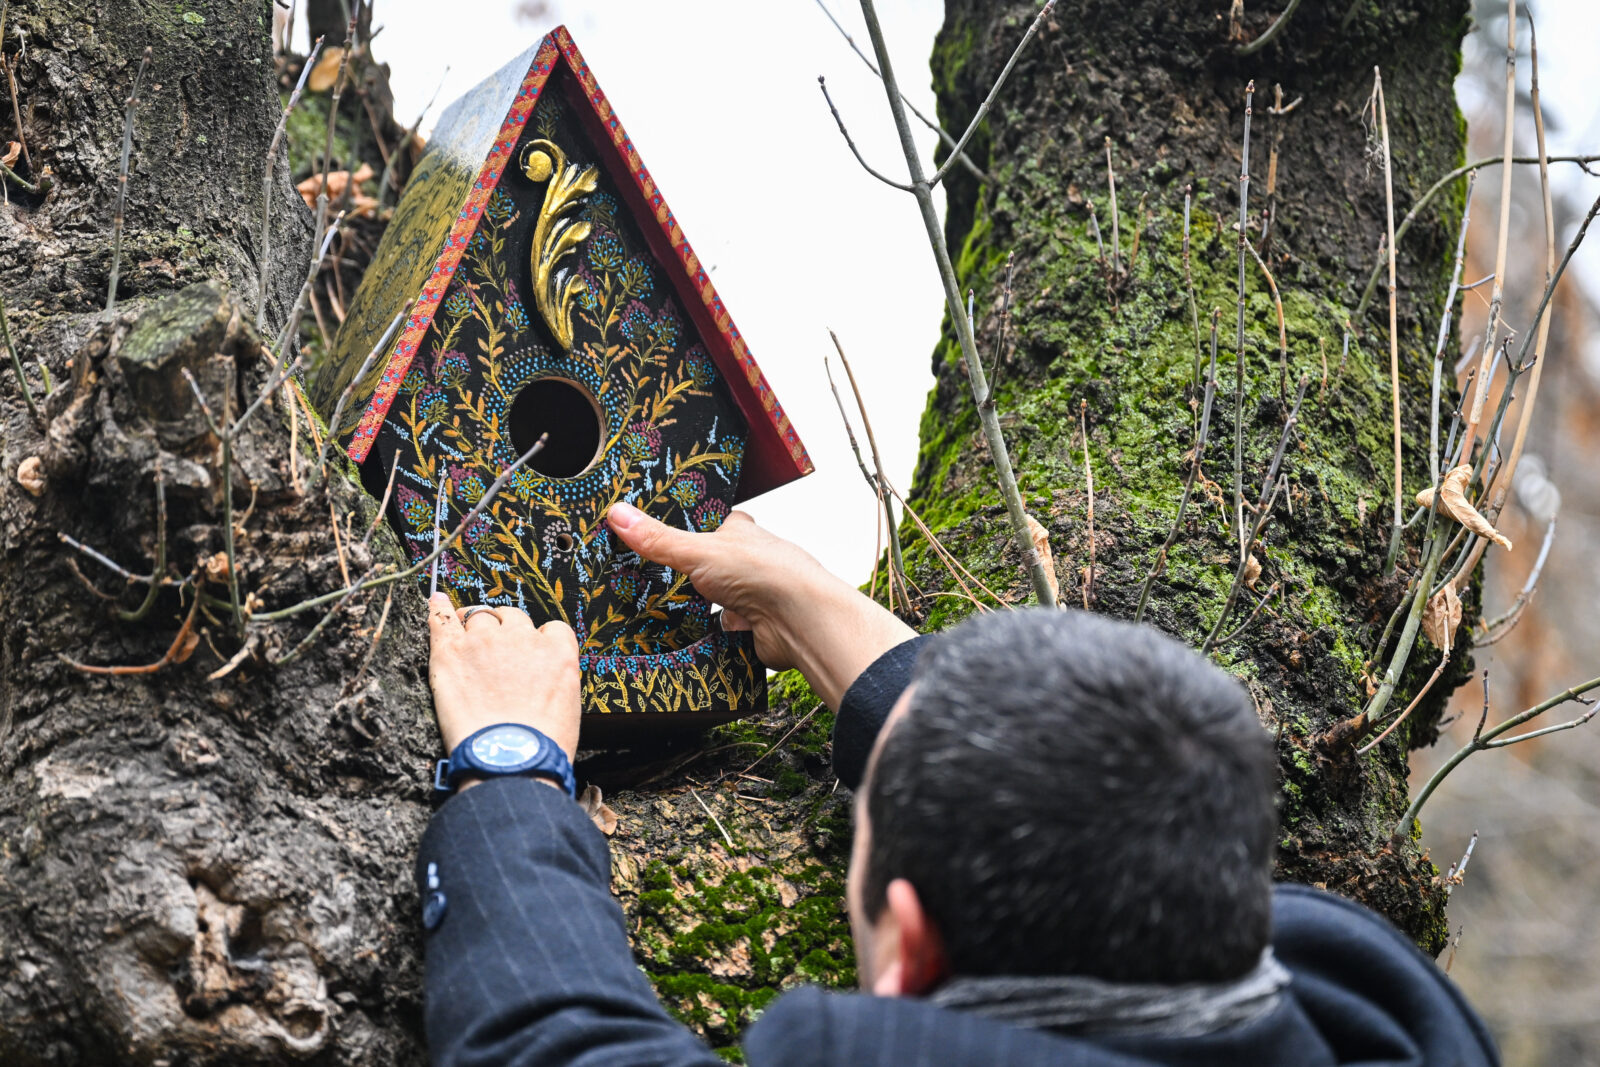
(529, 962)
(866, 704)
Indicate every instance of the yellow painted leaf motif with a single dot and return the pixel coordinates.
(557, 234)
(1453, 502)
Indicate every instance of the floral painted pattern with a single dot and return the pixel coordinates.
(672, 443)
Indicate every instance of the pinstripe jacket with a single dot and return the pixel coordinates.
(528, 964)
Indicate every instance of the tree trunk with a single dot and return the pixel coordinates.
(218, 871)
(1118, 350)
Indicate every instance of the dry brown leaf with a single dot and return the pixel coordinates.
(30, 473)
(597, 809)
(1442, 617)
(1041, 545)
(191, 641)
(13, 150)
(327, 69)
(1453, 502)
(1252, 571)
(217, 568)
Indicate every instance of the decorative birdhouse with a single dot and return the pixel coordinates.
(554, 293)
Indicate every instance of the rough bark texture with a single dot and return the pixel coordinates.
(198, 871)
(1161, 80)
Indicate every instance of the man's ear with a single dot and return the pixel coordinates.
(920, 963)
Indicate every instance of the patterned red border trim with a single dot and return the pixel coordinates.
(560, 42)
(680, 247)
(455, 245)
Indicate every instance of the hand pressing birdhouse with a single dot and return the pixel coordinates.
(554, 294)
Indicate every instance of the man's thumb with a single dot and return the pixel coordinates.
(653, 539)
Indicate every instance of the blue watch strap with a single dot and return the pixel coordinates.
(548, 761)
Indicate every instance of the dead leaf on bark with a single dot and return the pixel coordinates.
(1453, 502)
(598, 810)
(1252, 571)
(30, 474)
(1442, 617)
(1041, 545)
(338, 182)
(326, 71)
(13, 150)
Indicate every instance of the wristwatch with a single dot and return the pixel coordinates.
(505, 750)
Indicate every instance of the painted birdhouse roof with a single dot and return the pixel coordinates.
(437, 219)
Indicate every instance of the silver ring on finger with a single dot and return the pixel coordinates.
(466, 616)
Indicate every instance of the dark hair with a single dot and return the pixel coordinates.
(1074, 795)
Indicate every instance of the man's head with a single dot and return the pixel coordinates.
(1061, 793)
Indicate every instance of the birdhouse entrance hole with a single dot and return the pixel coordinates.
(566, 411)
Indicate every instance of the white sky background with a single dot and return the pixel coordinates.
(721, 98)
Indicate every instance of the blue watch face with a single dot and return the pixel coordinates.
(507, 746)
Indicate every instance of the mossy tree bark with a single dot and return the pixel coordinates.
(1164, 83)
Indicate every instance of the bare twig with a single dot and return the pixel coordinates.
(122, 180)
(1381, 113)
(265, 258)
(1491, 738)
(1116, 239)
(1458, 871)
(361, 372)
(1269, 495)
(1444, 660)
(1480, 394)
(1188, 283)
(1283, 330)
(1088, 481)
(1005, 320)
(181, 645)
(775, 746)
(1427, 198)
(387, 178)
(944, 136)
(922, 189)
(383, 505)
(1444, 333)
(874, 481)
(1272, 31)
(1250, 618)
(1497, 628)
(713, 816)
(350, 46)
(1238, 395)
(983, 108)
(1188, 485)
(16, 362)
(11, 80)
(823, 83)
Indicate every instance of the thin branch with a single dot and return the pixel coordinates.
(11, 79)
(405, 142)
(175, 653)
(874, 482)
(1427, 198)
(1283, 331)
(1088, 481)
(361, 372)
(1487, 739)
(350, 46)
(987, 417)
(1272, 31)
(1263, 515)
(1497, 628)
(1238, 395)
(16, 179)
(1160, 563)
(265, 258)
(724, 830)
(904, 188)
(1116, 239)
(16, 362)
(944, 136)
(1005, 319)
(1493, 324)
(122, 180)
(1444, 660)
(1250, 618)
(983, 108)
(1444, 333)
(1458, 870)
(1188, 283)
(1382, 114)
(383, 505)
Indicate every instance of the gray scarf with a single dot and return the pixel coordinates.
(1084, 1005)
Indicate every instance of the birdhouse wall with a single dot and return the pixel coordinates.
(562, 319)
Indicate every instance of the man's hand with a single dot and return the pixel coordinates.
(499, 667)
(802, 616)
